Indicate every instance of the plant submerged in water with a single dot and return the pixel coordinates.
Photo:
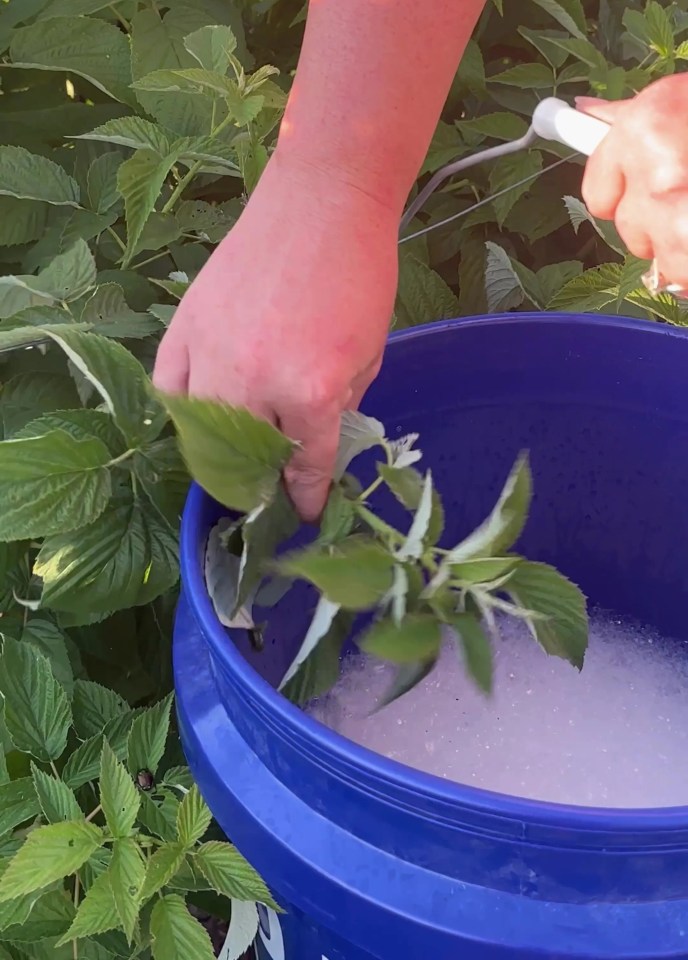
(360, 564)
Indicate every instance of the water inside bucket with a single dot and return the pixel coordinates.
(615, 735)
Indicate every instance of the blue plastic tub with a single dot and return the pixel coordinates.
(372, 859)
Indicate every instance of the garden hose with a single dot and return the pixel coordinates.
(553, 119)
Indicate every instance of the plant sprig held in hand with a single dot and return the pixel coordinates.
(413, 589)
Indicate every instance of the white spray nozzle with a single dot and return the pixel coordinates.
(554, 119)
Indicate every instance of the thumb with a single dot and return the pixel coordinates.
(606, 110)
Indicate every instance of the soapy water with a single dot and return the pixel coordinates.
(614, 735)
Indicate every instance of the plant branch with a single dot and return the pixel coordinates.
(93, 813)
(182, 185)
(115, 236)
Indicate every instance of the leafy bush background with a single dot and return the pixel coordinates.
(100, 233)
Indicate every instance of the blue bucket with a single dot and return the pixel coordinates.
(372, 859)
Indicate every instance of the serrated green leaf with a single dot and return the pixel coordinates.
(161, 868)
(57, 800)
(500, 531)
(483, 569)
(51, 914)
(14, 912)
(51, 484)
(319, 670)
(140, 180)
(120, 380)
(195, 80)
(69, 276)
(230, 874)
(476, 649)
(97, 912)
(212, 220)
(503, 287)
(193, 818)
(500, 125)
(356, 573)
(37, 711)
(176, 934)
(133, 132)
(18, 803)
(84, 763)
(148, 737)
(568, 13)
(590, 291)
(127, 871)
(119, 797)
(416, 638)
(111, 316)
(527, 76)
(25, 397)
(21, 221)
(160, 817)
(125, 558)
(48, 854)
(212, 46)
(338, 518)
(236, 457)
(508, 171)
(660, 31)
(27, 176)
(97, 51)
(423, 296)
(102, 181)
(47, 638)
(563, 629)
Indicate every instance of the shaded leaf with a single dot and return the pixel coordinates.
(319, 671)
(140, 180)
(28, 176)
(37, 711)
(162, 867)
(97, 912)
(18, 803)
(148, 737)
(97, 51)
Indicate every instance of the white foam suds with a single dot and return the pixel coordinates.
(615, 735)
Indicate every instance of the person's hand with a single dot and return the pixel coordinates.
(290, 315)
(638, 176)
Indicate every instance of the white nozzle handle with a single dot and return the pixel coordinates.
(554, 119)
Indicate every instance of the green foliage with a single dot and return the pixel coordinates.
(132, 133)
(517, 238)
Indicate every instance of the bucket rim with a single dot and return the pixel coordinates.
(373, 767)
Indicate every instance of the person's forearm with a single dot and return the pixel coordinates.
(372, 79)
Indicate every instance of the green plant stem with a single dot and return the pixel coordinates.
(144, 263)
(75, 942)
(117, 239)
(182, 185)
(377, 524)
(54, 770)
(369, 491)
(125, 23)
(122, 457)
(93, 813)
